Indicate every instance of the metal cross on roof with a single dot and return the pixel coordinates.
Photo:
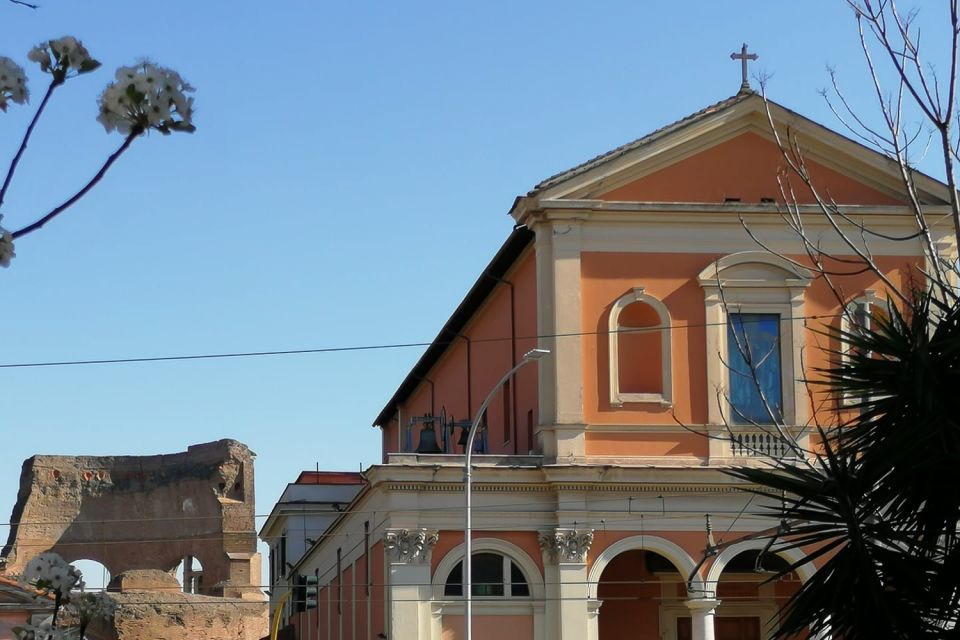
(743, 57)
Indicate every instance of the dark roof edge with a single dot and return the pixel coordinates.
(511, 249)
(691, 119)
(656, 134)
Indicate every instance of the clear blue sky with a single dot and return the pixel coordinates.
(349, 178)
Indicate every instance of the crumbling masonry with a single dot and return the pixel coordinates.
(135, 514)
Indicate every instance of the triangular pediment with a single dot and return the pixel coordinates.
(728, 153)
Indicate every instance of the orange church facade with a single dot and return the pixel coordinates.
(598, 465)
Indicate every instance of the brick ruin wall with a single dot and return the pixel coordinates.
(135, 514)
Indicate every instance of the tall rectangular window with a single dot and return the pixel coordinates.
(753, 359)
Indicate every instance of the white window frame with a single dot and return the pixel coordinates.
(755, 282)
(507, 574)
(784, 312)
(618, 398)
(870, 299)
(533, 605)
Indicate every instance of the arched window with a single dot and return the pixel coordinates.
(859, 316)
(494, 575)
(189, 574)
(640, 350)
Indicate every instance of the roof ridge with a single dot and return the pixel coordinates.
(645, 139)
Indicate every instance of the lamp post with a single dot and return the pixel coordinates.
(530, 356)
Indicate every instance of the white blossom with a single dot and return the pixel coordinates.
(92, 606)
(42, 631)
(146, 96)
(48, 571)
(40, 55)
(61, 56)
(13, 83)
(6, 247)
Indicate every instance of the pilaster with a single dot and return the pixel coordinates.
(558, 245)
(408, 554)
(569, 612)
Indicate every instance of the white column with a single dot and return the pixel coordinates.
(701, 614)
(593, 619)
(408, 561)
(565, 558)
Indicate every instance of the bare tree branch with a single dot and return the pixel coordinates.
(83, 191)
(26, 138)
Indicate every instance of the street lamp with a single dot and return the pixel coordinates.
(530, 356)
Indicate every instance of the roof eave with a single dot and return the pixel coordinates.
(502, 261)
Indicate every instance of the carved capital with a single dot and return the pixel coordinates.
(567, 545)
(409, 545)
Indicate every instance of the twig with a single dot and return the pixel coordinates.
(79, 194)
(26, 138)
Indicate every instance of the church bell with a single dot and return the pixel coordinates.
(428, 440)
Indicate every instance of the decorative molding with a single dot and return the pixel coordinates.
(796, 557)
(796, 276)
(618, 397)
(409, 545)
(702, 604)
(567, 545)
(687, 568)
(755, 282)
(632, 488)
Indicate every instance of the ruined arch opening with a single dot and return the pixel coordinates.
(95, 575)
(189, 574)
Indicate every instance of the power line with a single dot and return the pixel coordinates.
(493, 601)
(495, 508)
(608, 519)
(376, 347)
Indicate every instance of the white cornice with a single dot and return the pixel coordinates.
(704, 132)
(594, 209)
(819, 144)
(645, 227)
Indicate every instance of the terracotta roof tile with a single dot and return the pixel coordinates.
(11, 582)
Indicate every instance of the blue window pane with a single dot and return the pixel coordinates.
(758, 337)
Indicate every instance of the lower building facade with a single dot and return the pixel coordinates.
(559, 551)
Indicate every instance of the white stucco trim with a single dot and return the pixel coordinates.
(804, 571)
(755, 282)
(713, 272)
(618, 398)
(670, 550)
(869, 299)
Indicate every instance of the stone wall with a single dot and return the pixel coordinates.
(143, 512)
(151, 606)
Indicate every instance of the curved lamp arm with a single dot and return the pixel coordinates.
(530, 356)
